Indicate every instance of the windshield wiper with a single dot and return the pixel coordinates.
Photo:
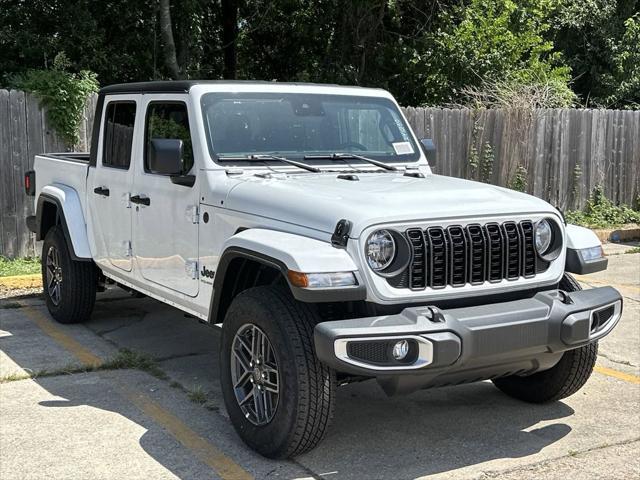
(262, 158)
(345, 156)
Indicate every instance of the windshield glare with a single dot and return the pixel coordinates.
(295, 125)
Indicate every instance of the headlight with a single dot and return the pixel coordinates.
(544, 236)
(380, 250)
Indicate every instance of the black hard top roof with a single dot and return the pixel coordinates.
(170, 86)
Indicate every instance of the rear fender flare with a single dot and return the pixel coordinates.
(69, 216)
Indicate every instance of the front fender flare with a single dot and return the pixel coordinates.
(580, 238)
(71, 218)
(285, 251)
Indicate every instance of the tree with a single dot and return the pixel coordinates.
(169, 48)
(599, 41)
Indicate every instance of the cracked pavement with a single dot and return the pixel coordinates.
(129, 424)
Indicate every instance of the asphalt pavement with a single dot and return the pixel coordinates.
(64, 415)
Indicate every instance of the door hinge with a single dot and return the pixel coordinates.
(191, 267)
(193, 214)
(127, 248)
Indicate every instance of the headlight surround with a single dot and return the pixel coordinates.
(380, 250)
(543, 236)
(548, 239)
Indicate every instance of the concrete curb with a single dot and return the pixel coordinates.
(21, 281)
(622, 234)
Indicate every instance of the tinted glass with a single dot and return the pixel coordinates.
(118, 134)
(169, 120)
(295, 125)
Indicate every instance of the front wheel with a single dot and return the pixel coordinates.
(565, 378)
(278, 395)
(69, 286)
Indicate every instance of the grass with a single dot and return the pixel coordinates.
(197, 395)
(125, 359)
(633, 250)
(19, 266)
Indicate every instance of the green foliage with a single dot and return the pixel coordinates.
(486, 163)
(601, 212)
(519, 180)
(600, 41)
(63, 93)
(500, 43)
(168, 128)
(487, 52)
(19, 266)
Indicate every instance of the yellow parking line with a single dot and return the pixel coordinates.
(47, 326)
(627, 377)
(226, 468)
(207, 453)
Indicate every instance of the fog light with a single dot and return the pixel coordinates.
(401, 350)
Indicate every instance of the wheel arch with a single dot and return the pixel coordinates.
(256, 257)
(60, 205)
(238, 270)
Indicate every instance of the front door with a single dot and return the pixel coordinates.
(109, 184)
(165, 214)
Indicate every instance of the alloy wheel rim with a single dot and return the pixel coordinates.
(254, 374)
(54, 275)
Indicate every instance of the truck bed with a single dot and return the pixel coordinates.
(69, 169)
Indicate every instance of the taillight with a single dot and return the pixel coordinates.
(30, 183)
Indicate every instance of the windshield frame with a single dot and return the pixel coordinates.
(209, 98)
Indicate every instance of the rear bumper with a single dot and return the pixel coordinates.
(471, 343)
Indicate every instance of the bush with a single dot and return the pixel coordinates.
(601, 212)
(63, 93)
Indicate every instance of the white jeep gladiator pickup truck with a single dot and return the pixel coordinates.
(305, 219)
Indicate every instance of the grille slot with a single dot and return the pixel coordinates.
(512, 253)
(418, 268)
(529, 253)
(472, 254)
(477, 254)
(495, 252)
(458, 256)
(437, 242)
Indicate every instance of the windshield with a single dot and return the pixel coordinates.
(293, 125)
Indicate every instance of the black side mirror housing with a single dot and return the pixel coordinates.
(166, 156)
(429, 149)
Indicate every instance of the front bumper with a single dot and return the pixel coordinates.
(471, 343)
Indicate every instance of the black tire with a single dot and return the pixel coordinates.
(77, 285)
(562, 380)
(306, 387)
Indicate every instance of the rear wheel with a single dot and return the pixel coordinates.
(278, 395)
(562, 380)
(69, 286)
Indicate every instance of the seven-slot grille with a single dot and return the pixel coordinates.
(457, 255)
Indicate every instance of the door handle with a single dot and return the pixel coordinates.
(101, 191)
(140, 200)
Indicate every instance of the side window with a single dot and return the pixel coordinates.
(169, 120)
(118, 134)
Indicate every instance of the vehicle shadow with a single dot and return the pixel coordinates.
(372, 436)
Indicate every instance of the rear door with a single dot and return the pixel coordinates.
(109, 183)
(165, 226)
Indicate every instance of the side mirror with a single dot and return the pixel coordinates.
(165, 156)
(429, 149)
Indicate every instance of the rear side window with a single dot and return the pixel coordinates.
(118, 134)
(169, 120)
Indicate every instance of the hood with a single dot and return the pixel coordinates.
(319, 201)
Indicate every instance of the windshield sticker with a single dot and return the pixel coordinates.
(402, 148)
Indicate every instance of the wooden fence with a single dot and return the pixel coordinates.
(24, 133)
(559, 155)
